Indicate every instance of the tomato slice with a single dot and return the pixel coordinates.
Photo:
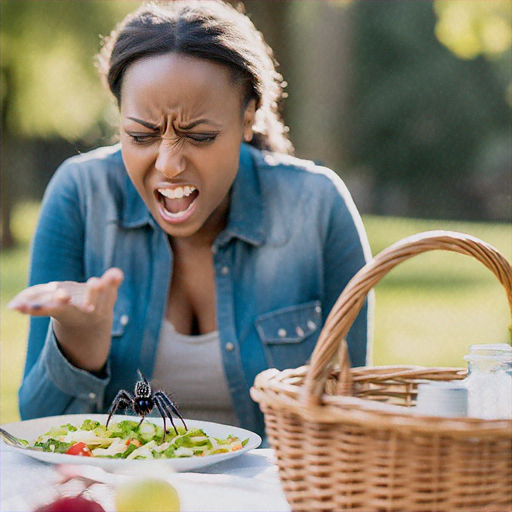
(80, 449)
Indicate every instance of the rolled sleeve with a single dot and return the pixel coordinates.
(54, 386)
(70, 379)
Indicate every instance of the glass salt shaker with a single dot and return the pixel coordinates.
(489, 381)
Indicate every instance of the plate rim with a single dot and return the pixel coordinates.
(178, 464)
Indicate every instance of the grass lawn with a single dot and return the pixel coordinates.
(14, 326)
(428, 309)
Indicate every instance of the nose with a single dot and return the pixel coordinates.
(170, 160)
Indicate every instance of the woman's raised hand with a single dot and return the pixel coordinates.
(82, 313)
(71, 302)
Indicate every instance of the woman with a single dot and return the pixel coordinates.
(197, 250)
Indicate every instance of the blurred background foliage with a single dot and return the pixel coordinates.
(409, 101)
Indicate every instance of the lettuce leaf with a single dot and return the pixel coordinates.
(54, 445)
(89, 425)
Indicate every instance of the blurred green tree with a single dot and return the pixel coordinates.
(47, 51)
(420, 116)
(474, 27)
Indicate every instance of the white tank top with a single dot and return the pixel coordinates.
(190, 370)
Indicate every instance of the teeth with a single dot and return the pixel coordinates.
(178, 192)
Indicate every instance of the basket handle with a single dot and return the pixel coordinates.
(352, 298)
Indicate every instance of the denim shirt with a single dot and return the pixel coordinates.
(292, 241)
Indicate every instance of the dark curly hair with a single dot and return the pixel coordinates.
(211, 30)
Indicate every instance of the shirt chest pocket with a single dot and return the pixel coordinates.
(289, 334)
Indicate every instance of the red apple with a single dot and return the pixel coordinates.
(72, 504)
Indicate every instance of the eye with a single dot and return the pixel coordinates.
(143, 138)
(202, 137)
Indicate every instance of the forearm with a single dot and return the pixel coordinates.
(86, 347)
(54, 386)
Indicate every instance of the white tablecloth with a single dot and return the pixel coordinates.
(248, 483)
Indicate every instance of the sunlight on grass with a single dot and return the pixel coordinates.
(429, 309)
(14, 326)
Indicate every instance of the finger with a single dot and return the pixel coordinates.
(49, 303)
(48, 308)
(113, 276)
(38, 297)
(62, 297)
(93, 290)
(111, 280)
(17, 303)
(36, 293)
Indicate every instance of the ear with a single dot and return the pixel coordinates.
(249, 119)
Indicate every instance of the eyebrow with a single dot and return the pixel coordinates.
(144, 123)
(188, 126)
(192, 124)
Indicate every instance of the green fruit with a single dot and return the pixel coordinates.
(146, 495)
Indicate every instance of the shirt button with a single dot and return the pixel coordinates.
(224, 271)
(299, 331)
(318, 309)
(281, 333)
(311, 325)
(92, 396)
(124, 319)
(229, 346)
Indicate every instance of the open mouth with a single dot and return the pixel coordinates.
(177, 202)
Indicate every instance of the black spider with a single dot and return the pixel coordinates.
(143, 402)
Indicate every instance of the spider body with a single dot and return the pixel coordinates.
(143, 402)
(143, 406)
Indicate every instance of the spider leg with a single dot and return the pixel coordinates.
(140, 423)
(164, 415)
(123, 399)
(169, 406)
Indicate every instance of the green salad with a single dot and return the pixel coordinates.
(128, 440)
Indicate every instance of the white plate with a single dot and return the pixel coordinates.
(32, 429)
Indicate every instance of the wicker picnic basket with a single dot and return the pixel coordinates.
(343, 438)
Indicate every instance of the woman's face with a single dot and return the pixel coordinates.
(181, 128)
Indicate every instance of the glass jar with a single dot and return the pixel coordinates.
(489, 381)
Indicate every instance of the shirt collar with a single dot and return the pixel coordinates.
(135, 213)
(245, 219)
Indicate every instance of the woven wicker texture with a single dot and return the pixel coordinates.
(346, 439)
